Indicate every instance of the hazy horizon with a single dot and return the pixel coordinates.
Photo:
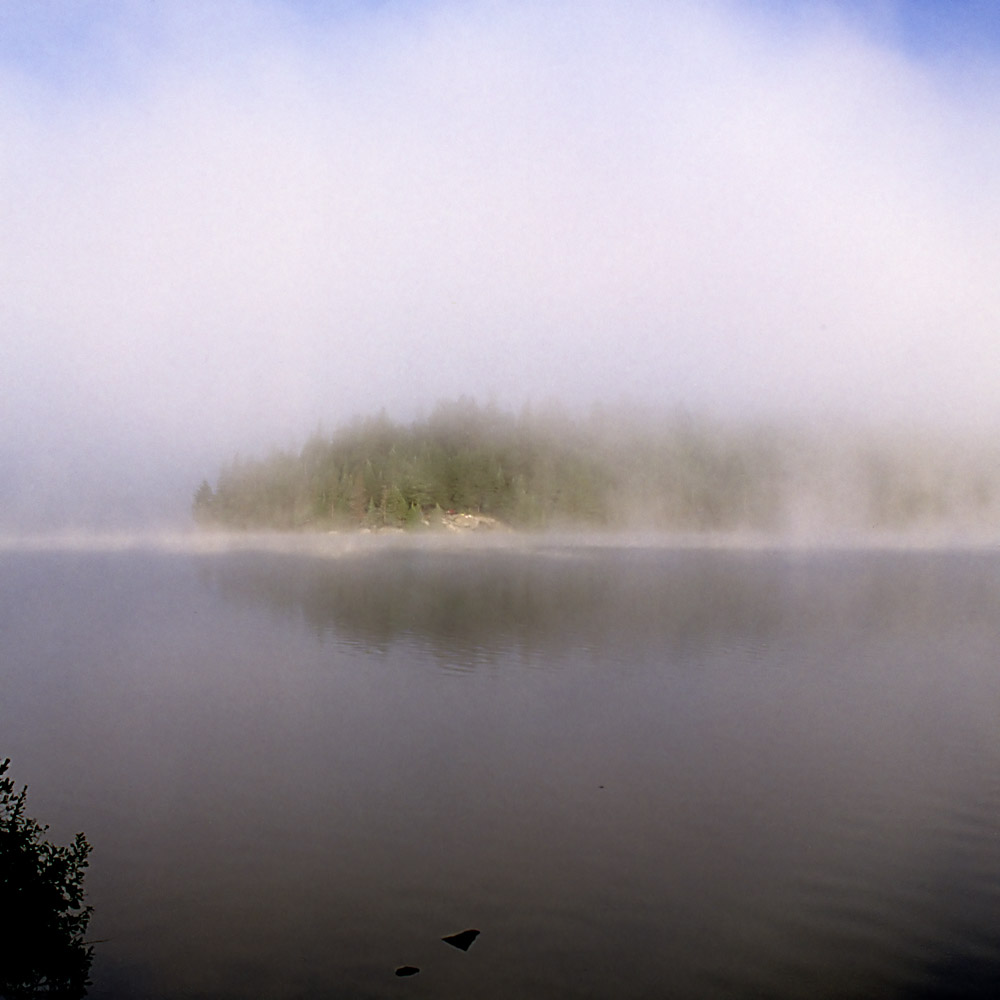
(228, 224)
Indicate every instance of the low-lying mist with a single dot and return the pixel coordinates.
(621, 470)
(225, 224)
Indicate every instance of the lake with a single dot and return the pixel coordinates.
(639, 771)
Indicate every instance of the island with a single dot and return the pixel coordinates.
(481, 467)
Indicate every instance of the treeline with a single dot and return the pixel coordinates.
(542, 469)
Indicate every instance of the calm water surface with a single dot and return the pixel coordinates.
(639, 772)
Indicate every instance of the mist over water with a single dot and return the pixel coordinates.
(226, 229)
(742, 739)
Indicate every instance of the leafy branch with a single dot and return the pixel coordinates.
(42, 913)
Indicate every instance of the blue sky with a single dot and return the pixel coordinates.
(65, 40)
(225, 224)
(931, 27)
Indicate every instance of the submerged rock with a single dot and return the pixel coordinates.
(463, 940)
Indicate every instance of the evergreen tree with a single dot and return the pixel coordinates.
(204, 502)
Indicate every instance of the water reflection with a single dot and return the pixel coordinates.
(484, 605)
(638, 773)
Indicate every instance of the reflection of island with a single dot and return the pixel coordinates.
(42, 914)
(618, 603)
(496, 600)
(788, 742)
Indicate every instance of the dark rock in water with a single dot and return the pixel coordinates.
(463, 940)
(407, 970)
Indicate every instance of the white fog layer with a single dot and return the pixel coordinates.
(226, 225)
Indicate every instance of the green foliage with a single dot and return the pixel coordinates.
(42, 914)
(547, 468)
(414, 517)
(204, 502)
(534, 470)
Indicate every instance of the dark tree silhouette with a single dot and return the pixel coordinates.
(42, 914)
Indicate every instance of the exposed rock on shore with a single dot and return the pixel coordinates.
(472, 522)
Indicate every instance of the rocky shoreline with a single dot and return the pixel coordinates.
(449, 521)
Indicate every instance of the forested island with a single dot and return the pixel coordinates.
(550, 468)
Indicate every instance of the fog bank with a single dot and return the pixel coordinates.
(227, 225)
